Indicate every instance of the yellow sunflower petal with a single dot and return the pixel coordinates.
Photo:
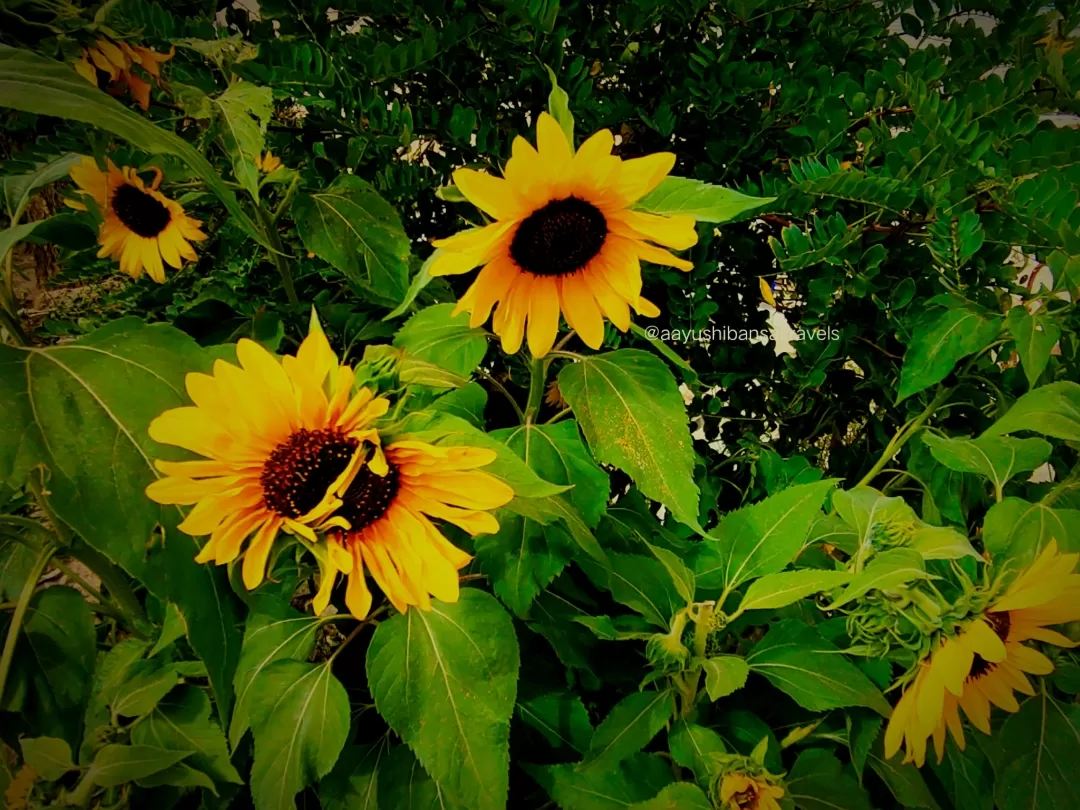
(552, 145)
(492, 195)
(357, 595)
(543, 325)
(581, 310)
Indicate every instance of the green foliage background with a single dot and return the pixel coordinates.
(905, 160)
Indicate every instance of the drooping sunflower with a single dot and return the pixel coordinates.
(110, 66)
(288, 445)
(141, 227)
(564, 239)
(986, 661)
(741, 791)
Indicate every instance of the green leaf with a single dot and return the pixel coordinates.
(938, 344)
(637, 778)
(864, 509)
(244, 110)
(42, 86)
(1036, 335)
(561, 717)
(695, 747)
(887, 570)
(759, 539)
(557, 507)
(172, 629)
(437, 336)
(404, 785)
(941, 543)
(998, 458)
(522, 558)
(559, 107)
(967, 777)
(819, 781)
(178, 775)
(634, 418)
(113, 670)
(274, 632)
(1040, 745)
(183, 723)
(788, 587)
(353, 784)
(702, 201)
(445, 681)
(1052, 410)
(863, 729)
(17, 188)
(797, 660)
(300, 721)
(557, 454)
(16, 560)
(452, 431)
(141, 693)
(724, 674)
(12, 236)
(679, 796)
(904, 781)
(681, 576)
(117, 764)
(349, 225)
(1016, 532)
(49, 756)
(419, 281)
(63, 404)
(639, 582)
(467, 402)
(629, 727)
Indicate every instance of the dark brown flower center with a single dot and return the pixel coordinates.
(369, 496)
(559, 238)
(301, 469)
(999, 622)
(140, 212)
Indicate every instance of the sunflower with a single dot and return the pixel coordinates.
(289, 446)
(563, 239)
(986, 661)
(268, 163)
(740, 791)
(142, 228)
(109, 65)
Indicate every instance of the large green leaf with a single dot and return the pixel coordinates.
(63, 404)
(639, 582)
(1052, 410)
(300, 721)
(1040, 745)
(183, 723)
(1016, 531)
(404, 785)
(438, 336)
(695, 747)
(629, 727)
(905, 781)
(998, 458)
(42, 86)
(53, 669)
(800, 662)
(939, 343)
(522, 558)
(819, 781)
(633, 417)
(561, 717)
(702, 201)
(49, 756)
(759, 539)
(635, 779)
(117, 764)
(18, 187)
(243, 111)
(445, 681)
(1036, 335)
(349, 225)
(558, 454)
(148, 683)
(273, 632)
(889, 569)
(788, 587)
(724, 675)
(678, 796)
(353, 784)
(967, 777)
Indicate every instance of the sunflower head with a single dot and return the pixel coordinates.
(742, 790)
(564, 239)
(141, 227)
(110, 66)
(289, 446)
(986, 661)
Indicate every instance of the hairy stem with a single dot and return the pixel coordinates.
(903, 435)
(277, 254)
(537, 373)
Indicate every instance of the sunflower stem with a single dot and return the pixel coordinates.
(277, 254)
(29, 586)
(290, 192)
(537, 373)
(903, 435)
